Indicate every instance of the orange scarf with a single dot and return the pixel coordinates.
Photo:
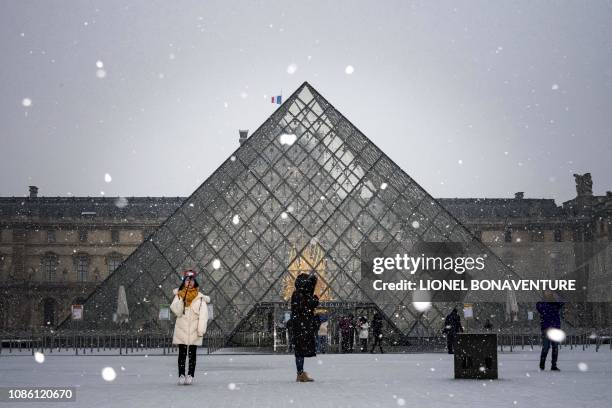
(188, 295)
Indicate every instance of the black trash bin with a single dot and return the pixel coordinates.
(476, 356)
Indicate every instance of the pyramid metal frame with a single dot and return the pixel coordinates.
(331, 185)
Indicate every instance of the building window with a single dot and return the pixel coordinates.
(51, 236)
(49, 312)
(558, 235)
(50, 267)
(113, 263)
(83, 235)
(508, 235)
(82, 267)
(115, 236)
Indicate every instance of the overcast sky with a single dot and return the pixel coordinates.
(478, 99)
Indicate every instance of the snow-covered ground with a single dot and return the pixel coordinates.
(355, 380)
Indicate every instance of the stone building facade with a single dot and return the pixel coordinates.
(54, 251)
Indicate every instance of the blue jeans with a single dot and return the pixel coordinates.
(299, 364)
(321, 344)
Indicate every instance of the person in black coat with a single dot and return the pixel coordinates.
(550, 318)
(304, 326)
(377, 326)
(452, 326)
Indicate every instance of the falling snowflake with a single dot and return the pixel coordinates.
(415, 224)
(108, 178)
(422, 306)
(556, 335)
(383, 186)
(244, 95)
(39, 357)
(109, 374)
(231, 386)
(121, 202)
(583, 367)
(349, 69)
(100, 73)
(225, 104)
(236, 219)
(233, 158)
(401, 402)
(284, 215)
(460, 161)
(291, 69)
(287, 139)
(99, 64)
(216, 264)
(554, 87)
(27, 102)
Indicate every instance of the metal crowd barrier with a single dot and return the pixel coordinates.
(84, 343)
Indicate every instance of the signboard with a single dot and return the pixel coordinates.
(77, 312)
(529, 315)
(468, 310)
(164, 312)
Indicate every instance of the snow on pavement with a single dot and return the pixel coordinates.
(356, 380)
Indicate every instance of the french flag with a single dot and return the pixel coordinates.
(277, 99)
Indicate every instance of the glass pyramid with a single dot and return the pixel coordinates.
(302, 194)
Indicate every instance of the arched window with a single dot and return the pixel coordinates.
(49, 267)
(49, 306)
(81, 264)
(113, 261)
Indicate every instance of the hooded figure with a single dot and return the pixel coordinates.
(452, 326)
(189, 306)
(304, 324)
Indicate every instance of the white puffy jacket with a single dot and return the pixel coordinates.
(190, 326)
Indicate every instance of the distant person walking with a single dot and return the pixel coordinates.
(452, 326)
(488, 326)
(322, 334)
(289, 326)
(346, 333)
(363, 326)
(304, 326)
(189, 306)
(377, 326)
(550, 319)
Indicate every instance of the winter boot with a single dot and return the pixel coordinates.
(303, 377)
(189, 380)
(181, 380)
(542, 364)
(554, 368)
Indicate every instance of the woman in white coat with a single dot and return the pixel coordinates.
(189, 306)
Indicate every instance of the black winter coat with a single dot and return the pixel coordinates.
(377, 325)
(452, 324)
(304, 325)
